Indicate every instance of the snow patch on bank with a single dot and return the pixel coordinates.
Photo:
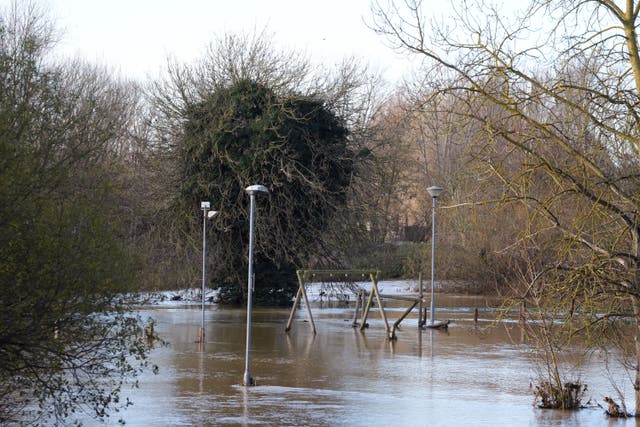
(327, 291)
(188, 296)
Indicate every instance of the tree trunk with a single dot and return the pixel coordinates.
(636, 383)
(629, 24)
(635, 302)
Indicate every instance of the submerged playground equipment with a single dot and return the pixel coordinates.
(307, 276)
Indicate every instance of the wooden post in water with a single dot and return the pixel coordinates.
(475, 316)
(523, 311)
(359, 300)
(392, 334)
(302, 280)
(376, 293)
(296, 301)
(306, 302)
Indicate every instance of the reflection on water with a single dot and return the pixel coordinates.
(468, 375)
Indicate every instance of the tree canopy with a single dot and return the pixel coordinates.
(245, 134)
(67, 342)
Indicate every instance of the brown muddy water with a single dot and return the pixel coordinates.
(467, 376)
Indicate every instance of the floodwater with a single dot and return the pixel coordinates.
(470, 375)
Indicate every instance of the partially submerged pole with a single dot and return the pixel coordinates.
(523, 311)
(205, 207)
(420, 316)
(252, 191)
(359, 302)
(434, 191)
(206, 214)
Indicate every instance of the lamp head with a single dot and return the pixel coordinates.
(434, 191)
(211, 214)
(255, 189)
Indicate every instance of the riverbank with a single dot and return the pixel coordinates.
(324, 291)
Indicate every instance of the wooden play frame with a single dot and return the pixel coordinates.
(304, 277)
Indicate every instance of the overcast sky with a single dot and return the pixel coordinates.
(136, 36)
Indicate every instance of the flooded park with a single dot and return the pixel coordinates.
(474, 373)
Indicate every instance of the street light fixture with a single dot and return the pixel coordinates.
(434, 191)
(206, 214)
(252, 190)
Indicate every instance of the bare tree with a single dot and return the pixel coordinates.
(559, 85)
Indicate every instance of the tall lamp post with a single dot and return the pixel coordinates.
(434, 191)
(206, 214)
(252, 190)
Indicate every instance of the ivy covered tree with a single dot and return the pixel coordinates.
(249, 113)
(246, 134)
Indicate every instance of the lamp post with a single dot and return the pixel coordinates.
(434, 191)
(206, 214)
(252, 190)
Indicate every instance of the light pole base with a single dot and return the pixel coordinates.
(247, 380)
(200, 336)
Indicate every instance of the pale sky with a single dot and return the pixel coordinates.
(136, 36)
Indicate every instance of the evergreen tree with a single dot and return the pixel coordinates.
(246, 134)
